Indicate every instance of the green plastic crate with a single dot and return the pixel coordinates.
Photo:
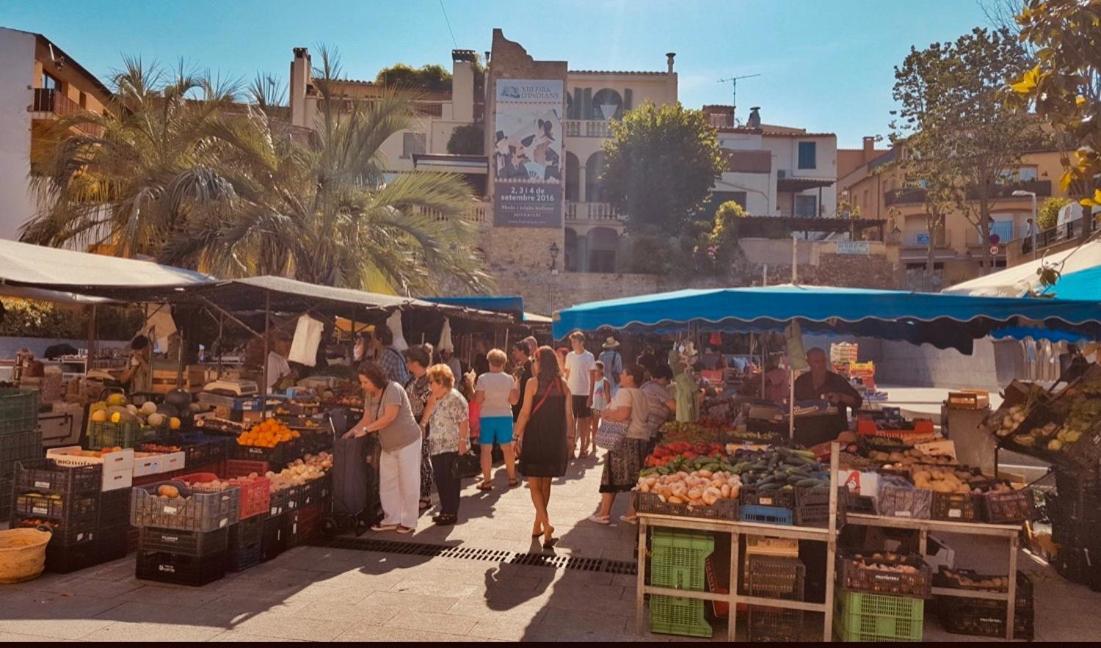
(678, 616)
(127, 434)
(678, 559)
(875, 617)
(18, 410)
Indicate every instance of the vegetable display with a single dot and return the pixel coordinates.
(267, 434)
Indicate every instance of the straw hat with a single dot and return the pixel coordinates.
(611, 343)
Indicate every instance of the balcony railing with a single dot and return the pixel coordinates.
(475, 213)
(592, 211)
(54, 102)
(1041, 188)
(587, 128)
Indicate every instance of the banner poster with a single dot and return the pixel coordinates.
(527, 153)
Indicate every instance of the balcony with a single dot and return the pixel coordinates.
(593, 211)
(476, 212)
(54, 105)
(916, 195)
(587, 128)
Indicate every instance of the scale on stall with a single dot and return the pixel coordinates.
(235, 388)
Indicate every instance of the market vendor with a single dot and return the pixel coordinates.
(138, 376)
(822, 384)
(279, 372)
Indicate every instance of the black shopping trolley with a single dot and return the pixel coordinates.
(355, 479)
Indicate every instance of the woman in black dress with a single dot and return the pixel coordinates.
(541, 434)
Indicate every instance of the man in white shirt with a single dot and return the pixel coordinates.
(278, 367)
(580, 376)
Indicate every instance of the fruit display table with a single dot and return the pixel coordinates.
(1009, 532)
(736, 529)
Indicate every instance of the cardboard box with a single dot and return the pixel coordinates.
(859, 482)
(118, 467)
(147, 463)
(942, 448)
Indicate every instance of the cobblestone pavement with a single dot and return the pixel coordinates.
(323, 594)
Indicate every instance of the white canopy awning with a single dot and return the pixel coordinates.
(1021, 279)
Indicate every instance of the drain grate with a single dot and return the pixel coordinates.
(578, 563)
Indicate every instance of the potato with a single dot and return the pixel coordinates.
(168, 490)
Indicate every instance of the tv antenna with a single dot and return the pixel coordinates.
(733, 81)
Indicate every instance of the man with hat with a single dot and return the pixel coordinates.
(613, 362)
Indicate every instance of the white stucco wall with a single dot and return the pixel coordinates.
(16, 79)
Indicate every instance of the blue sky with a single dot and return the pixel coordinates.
(825, 66)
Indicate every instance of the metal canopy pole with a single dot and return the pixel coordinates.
(267, 342)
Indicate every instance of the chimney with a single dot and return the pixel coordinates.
(669, 56)
(754, 120)
(299, 80)
(869, 147)
(462, 85)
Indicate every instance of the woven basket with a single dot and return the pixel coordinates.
(22, 554)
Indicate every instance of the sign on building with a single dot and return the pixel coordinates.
(858, 248)
(527, 153)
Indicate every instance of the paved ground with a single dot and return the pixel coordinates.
(316, 593)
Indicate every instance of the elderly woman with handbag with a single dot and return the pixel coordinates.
(626, 434)
(447, 418)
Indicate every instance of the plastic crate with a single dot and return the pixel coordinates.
(677, 558)
(274, 541)
(766, 515)
(317, 491)
(954, 507)
(922, 431)
(244, 468)
(65, 533)
(751, 496)
(200, 449)
(860, 578)
(242, 558)
(986, 618)
(774, 624)
(277, 457)
(188, 543)
(861, 616)
(253, 492)
(179, 569)
(57, 507)
(1024, 591)
(47, 476)
(279, 501)
(903, 500)
(18, 410)
(724, 509)
(19, 446)
(112, 543)
(1008, 507)
(114, 508)
(678, 616)
(812, 506)
(303, 525)
(195, 512)
(774, 577)
(127, 434)
(247, 532)
(294, 497)
(61, 559)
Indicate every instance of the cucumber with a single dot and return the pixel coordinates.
(807, 483)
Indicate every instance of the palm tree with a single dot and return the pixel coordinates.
(128, 176)
(314, 204)
(233, 190)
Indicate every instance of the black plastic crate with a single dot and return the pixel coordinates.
(295, 498)
(316, 491)
(280, 501)
(249, 531)
(303, 525)
(67, 533)
(774, 624)
(62, 508)
(19, 446)
(114, 508)
(277, 457)
(192, 511)
(165, 567)
(241, 558)
(202, 449)
(775, 577)
(113, 543)
(68, 559)
(46, 475)
(187, 543)
(18, 410)
(274, 541)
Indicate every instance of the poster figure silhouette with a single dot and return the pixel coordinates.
(527, 153)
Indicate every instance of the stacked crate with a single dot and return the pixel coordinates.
(678, 560)
(880, 604)
(779, 577)
(20, 438)
(65, 500)
(1075, 513)
(184, 539)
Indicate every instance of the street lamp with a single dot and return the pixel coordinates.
(554, 257)
(1021, 193)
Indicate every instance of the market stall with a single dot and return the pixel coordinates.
(899, 474)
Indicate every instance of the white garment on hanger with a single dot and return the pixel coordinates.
(445, 337)
(307, 337)
(394, 322)
(159, 325)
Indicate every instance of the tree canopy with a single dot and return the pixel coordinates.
(430, 78)
(660, 165)
(960, 137)
(468, 139)
(1065, 83)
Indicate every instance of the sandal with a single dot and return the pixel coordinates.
(404, 529)
(600, 519)
(629, 519)
(425, 504)
(485, 486)
(513, 483)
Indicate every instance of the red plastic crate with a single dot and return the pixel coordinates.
(244, 468)
(921, 432)
(255, 492)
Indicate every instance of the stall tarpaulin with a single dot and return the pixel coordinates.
(1022, 280)
(945, 321)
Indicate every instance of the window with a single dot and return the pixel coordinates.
(411, 143)
(1019, 174)
(808, 154)
(806, 206)
(83, 100)
(1003, 227)
(719, 197)
(50, 82)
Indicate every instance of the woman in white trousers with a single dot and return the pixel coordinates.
(387, 412)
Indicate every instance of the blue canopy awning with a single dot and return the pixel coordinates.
(1084, 285)
(513, 305)
(946, 321)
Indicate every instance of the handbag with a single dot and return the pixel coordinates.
(466, 466)
(610, 433)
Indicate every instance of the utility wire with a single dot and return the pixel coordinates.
(448, 22)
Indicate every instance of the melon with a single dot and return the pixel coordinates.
(155, 419)
(116, 400)
(99, 416)
(174, 423)
(148, 407)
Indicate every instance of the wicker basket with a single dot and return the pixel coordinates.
(22, 554)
